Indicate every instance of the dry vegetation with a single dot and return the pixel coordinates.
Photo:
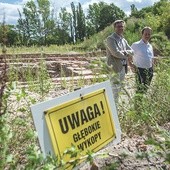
(144, 121)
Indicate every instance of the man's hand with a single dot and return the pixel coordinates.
(125, 53)
(131, 65)
(133, 68)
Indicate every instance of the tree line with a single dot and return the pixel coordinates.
(40, 24)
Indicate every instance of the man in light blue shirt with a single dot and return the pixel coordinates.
(143, 60)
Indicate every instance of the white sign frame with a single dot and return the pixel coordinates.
(40, 122)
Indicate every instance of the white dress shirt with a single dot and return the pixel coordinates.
(143, 54)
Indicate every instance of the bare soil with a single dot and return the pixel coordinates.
(130, 154)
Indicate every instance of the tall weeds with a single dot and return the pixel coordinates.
(147, 112)
(4, 126)
(18, 141)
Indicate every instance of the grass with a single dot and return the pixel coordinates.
(19, 148)
(42, 49)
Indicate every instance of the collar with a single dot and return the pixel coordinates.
(117, 36)
(142, 42)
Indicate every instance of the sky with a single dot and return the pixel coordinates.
(9, 8)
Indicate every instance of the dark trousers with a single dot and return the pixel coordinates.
(143, 78)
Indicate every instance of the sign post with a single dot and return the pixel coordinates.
(86, 118)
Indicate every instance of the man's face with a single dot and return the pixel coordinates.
(146, 35)
(119, 28)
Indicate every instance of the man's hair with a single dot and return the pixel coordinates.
(145, 28)
(117, 22)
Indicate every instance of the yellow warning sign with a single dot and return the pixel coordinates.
(85, 122)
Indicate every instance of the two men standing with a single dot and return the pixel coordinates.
(118, 51)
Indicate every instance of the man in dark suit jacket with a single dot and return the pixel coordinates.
(118, 51)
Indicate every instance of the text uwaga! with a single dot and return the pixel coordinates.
(79, 118)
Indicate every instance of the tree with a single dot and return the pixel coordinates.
(156, 16)
(12, 36)
(78, 24)
(3, 35)
(141, 13)
(64, 27)
(23, 30)
(134, 11)
(8, 34)
(47, 23)
(108, 14)
(81, 25)
(35, 23)
(93, 17)
(29, 26)
(162, 9)
(74, 22)
(101, 15)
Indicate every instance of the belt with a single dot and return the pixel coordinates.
(126, 68)
(144, 68)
